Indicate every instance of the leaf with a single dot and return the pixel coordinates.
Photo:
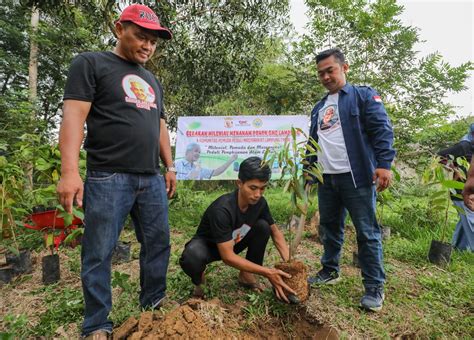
(50, 240)
(437, 194)
(451, 184)
(67, 218)
(73, 235)
(13, 250)
(42, 165)
(440, 201)
(396, 174)
(265, 154)
(78, 213)
(55, 176)
(287, 186)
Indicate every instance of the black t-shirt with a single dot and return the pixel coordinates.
(462, 149)
(123, 125)
(223, 218)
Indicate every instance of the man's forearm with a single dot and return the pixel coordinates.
(222, 168)
(69, 145)
(245, 265)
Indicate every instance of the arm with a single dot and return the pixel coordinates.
(280, 243)
(380, 132)
(165, 155)
(224, 166)
(468, 192)
(71, 134)
(226, 251)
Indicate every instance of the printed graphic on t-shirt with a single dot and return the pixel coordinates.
(138, 92)
(328, 118)
(239, 233)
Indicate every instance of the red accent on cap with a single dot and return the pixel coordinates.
(144, 16)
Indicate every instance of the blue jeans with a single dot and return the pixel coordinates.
(108, 199)
(463, 237)
(335, 195)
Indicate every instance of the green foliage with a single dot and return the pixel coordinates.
(440, 137)
(63, 307)
(388, 196)
(215, 46)
(276, 88)
(290, 159)
(438, 175)
(15, 326)
(16, 197)
(121, 280)
(76, 30)
(125, 305)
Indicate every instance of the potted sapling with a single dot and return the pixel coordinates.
(18, 261)
(290, 159)
(446, 188)
(61, 219)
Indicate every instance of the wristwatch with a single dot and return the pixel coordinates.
(170, 169)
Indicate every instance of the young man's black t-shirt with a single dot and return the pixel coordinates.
(123, 125)
(223, 219)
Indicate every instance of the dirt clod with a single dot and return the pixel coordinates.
(125, 329)
(299, 275)
(145, 323)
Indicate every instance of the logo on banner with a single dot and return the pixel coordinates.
(257, 123)
(228, 123)
(243, 123)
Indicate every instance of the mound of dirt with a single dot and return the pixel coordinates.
(199, 319)
(194, 320)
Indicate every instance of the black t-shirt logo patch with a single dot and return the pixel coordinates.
(138, 92)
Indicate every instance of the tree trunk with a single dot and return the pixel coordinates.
(32, 83)
(33, 65)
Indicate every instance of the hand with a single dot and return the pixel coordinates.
(70, 187)
(233, 157)
(275, 278)
(170, 181)
(308, 180)
(468, 193)
(382, 177)
(194, 174)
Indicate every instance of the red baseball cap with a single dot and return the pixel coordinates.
(144, 16)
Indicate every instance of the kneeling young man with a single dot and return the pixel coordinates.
(234, 222)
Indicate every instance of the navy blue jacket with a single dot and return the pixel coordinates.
(367, 131)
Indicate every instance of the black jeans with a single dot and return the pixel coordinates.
(198, 252)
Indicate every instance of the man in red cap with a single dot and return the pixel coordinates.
(122, 104)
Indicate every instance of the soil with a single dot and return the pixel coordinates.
(199, 319)
(299, 275)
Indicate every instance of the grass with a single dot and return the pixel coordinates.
(422, 300)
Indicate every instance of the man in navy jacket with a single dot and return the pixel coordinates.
(356, 137)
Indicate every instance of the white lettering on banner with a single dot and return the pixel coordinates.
(224, 142)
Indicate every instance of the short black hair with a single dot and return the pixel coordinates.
(253, 168)
(337, 53)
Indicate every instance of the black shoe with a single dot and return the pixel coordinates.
(324, 277)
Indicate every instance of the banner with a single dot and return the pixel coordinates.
(213, 147)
